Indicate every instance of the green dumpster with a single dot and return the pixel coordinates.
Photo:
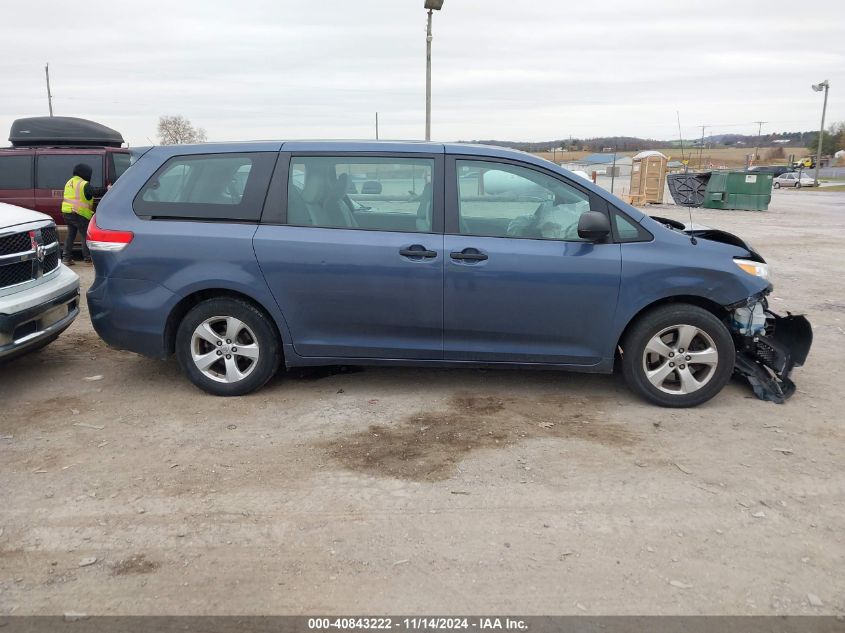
(738, 190)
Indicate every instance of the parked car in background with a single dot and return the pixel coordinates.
(238, 257)
(39, 297)
(775, 170)
(793, 179)
(34, 171)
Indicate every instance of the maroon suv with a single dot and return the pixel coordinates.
(34, 171)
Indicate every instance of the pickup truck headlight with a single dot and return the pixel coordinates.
(753, 268)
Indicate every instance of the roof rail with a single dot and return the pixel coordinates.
(77, 146)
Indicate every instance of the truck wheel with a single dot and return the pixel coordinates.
(678, 356)
(228, 347)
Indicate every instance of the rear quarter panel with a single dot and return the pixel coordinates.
(169, 260)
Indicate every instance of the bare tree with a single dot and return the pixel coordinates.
(176, 130)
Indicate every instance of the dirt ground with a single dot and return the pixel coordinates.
(432, 491)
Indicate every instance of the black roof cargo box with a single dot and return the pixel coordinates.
(62, 130)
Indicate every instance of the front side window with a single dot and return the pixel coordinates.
(16, 172)
(208, 187)
(384, 194)
(54, 170)
(629, 231)
(502, 200)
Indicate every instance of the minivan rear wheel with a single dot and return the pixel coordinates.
(227, 347)
(678, 356)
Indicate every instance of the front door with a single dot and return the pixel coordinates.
(520, 285)
(356, 262)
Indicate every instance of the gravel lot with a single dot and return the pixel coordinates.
(432, 491)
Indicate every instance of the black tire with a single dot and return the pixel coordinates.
(777, 185)
(652, 323)
(797, 185)
(260, 332)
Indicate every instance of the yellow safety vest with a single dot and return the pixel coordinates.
(75, 200)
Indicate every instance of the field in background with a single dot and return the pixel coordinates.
(719, 156)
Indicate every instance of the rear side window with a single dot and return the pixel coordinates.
(375, 193)
(118, 163)
(208, 187)
(54, 170)
(15, 172)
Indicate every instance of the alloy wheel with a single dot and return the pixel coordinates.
(680, 359)
(224, 349)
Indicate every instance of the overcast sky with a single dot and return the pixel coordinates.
(529, 70)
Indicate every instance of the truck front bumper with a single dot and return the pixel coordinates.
(34, 315)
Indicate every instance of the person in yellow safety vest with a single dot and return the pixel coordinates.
(77, 209)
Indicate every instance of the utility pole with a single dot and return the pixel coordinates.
(825, 85)
(759, 131)
(376, 125)
(428, 79)
(701, 146)
(49, 94)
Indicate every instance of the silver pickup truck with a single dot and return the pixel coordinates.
(39, 297)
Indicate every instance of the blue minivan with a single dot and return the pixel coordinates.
(239, 257)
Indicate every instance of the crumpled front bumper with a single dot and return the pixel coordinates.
(767, 358)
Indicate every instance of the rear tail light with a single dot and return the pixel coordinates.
(105, 239)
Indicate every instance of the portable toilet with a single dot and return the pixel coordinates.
(648, 177)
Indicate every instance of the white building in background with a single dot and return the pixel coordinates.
(602, 164)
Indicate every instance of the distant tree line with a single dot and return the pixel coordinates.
(834, 139)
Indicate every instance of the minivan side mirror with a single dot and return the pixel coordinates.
(593, 226)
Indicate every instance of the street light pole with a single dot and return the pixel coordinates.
(825, 85)
(49, 94)
(431, 5)
(428, 79)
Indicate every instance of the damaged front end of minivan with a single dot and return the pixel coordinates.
(768, 346)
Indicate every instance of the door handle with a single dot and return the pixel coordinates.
(470, 254)
(417, 250)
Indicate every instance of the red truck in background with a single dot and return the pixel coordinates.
(33, 172)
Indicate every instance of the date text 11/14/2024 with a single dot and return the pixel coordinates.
(416, 624)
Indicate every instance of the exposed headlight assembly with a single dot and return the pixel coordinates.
(753, 268)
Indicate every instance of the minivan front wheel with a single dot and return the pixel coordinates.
(227, 347)
(678, 356)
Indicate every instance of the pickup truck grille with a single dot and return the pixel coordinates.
(15, 243)
(20, 261)
(12, 274)
(51, 262)
(49, 234)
